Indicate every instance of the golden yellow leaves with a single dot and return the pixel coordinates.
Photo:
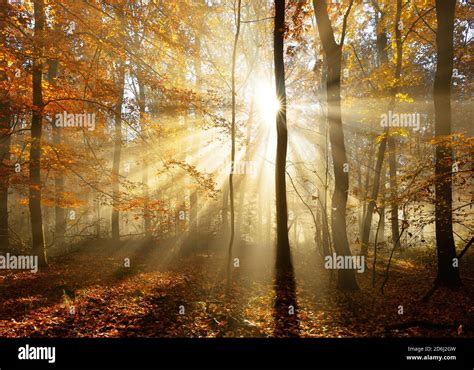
(404, 98)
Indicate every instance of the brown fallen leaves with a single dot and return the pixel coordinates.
(87, 294)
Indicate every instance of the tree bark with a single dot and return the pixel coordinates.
(225, 208)
(387, 139)
(392, 154)
(193, 197)
(38, 243)
(232, 154)
(373, 197)
(5, 138)
(243, 182)
(283, 256)
(115, 221)
(59, 212)
(333, 53)
(145, 164)
(446, 250)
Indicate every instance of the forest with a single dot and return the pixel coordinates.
(236, 168)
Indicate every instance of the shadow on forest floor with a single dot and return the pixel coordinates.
(164, 294)
(285, 310)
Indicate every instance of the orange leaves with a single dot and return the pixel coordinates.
(205, 181)
(139, 204)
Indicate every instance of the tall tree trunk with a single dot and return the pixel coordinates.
(38, 243)
(193, 212)
(283, 258)
(373, 197)
(285, 286)
(59, 212)
(381, 40)
(5, 119)
(5, 139)
(448, 275)
(225, 208)
(193, 197)
(392, 164)
(232, 154)
(326, 233)
(392, 154)
(333, 53)
(115, 221)
(145, 164)
(243, 182)
(381, 223)
(383, 146)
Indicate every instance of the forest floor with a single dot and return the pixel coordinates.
(89, 293)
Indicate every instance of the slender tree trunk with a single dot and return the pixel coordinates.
(225, 208)
(193, 212)
(392, 154)
(59, 212)
(117, 154)
(367, 187)
(232, 155)
(145, 164)
(325, 218)
(193, 198)
(5, 174)
(381, 224)
(333, 53)
(146, 196)
(392, 164)
(283, 261)
(448, 275)
(373, 198)
(383, 146)
(5, 138)
(38, 243)
(243, 182)
(381, 40)
(97, 199)
(285, 286)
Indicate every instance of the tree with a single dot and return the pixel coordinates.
(59, 214)
(283, 258)
(333, 53)
(392, 155)
(120, 73)
(38, 243)
(145, 166)
(387, 139)
(448, 275)
(232, 154)
(5, 118)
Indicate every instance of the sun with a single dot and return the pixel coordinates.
(267, 103)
